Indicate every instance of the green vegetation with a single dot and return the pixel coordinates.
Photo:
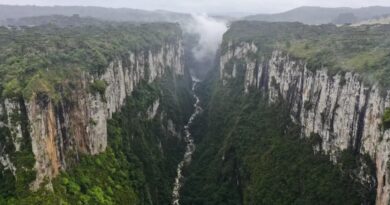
(49, 62)
(386, 119)
(138, 167)
(98, 86)
(364, 49)
(47, 59)
(150, 141)
(103, 179)
(23, 160)
(249, 152)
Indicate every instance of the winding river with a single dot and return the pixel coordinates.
(190, 148)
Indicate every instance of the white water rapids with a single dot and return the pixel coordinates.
(190, 148)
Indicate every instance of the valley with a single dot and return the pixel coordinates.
(194, 110)
(190, 147)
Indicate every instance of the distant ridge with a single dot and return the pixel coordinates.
(110, 14)
(322, 15)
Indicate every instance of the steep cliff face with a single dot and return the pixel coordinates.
(341, 109)
(6, 109)
(61, 130)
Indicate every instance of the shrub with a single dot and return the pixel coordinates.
(11, 89)
(98, 86)
(386, 119)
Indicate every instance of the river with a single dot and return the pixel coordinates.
(190, 147)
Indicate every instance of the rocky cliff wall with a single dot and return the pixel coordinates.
(341, 109)
(61, 130)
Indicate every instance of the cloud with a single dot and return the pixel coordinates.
(210, 32)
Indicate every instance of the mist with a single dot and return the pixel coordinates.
(202, 38)
(209, 31)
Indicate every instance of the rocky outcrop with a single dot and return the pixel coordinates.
(61, 130)
(341, 109)
(9, 110)
(152, 110)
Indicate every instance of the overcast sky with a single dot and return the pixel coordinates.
(209, 6)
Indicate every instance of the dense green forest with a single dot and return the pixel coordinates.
(38, 59)
(249, 152)
(138, 167)
(363, 49)
(58, 20)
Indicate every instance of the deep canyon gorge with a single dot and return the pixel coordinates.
(203, 111)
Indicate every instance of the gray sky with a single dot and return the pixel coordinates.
(210, 6)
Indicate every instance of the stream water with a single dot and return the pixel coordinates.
(190, 148)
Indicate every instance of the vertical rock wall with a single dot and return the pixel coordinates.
(60, 131)
(346, 113)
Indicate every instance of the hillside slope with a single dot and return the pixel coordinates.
(109, 14)
(321, 15)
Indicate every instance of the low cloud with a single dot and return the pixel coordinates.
(210, 32)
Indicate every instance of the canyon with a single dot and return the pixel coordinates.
(144, 111)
